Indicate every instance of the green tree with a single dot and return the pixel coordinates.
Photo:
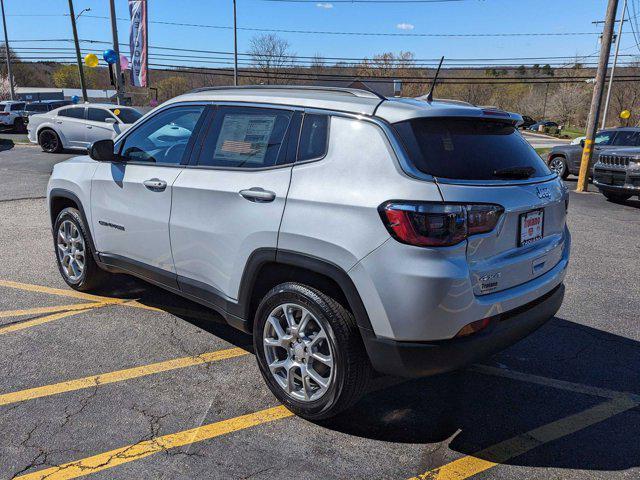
(171, 87)
(66, 76)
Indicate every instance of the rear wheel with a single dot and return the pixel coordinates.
(74, 254)
(309, 351)
(18, 125)
(558, 165)
(49, 141)
(616, 197)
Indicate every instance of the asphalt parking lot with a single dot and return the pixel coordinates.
(134, 382)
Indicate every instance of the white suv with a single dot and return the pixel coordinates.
(347, 232)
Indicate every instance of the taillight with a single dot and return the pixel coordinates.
(437, 224)
(4, 114)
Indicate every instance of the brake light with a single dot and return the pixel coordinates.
(4, 114)
(437, 224)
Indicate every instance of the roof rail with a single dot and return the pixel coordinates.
(356, 92)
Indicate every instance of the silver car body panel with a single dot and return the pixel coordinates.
(327, 208)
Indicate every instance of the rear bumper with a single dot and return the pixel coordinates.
(411, 359)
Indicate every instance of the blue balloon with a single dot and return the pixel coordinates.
(75, 99)
(110, 56)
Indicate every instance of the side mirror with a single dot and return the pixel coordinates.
(102, 151)
(582, 143)
(111, 121)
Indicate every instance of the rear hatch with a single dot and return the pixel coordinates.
(486, 161)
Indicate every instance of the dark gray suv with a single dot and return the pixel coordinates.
(617, 174)
(565, 159)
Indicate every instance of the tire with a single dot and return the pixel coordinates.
(616, 197)
(350, 372)
(49, 141)
(559, 165)
(90, 275)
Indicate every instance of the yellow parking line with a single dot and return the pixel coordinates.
(14, 327)
(57, 291)
(129, 453)
(41, 310)
(80, 295)
(119, 375)
(494, 455)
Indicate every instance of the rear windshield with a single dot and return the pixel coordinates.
(467, 149)
(126, 115)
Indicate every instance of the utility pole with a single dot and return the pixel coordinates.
(235, 45)
(546, 95)
(12, 93)
(598, 88)
(83, 85)
(613, 67)
(116, 48)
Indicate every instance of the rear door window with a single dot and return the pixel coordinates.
(627, 138)
(468, 149)
(246, 137)
(17, 106)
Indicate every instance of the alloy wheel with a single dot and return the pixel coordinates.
(71, 250)
(48, 141)
(557, 166)
(298, 352)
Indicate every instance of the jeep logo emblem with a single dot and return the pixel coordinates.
(543, 192)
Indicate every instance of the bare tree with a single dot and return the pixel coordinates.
(272, 57)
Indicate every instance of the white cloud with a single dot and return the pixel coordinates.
(405, 26)
(324, 5)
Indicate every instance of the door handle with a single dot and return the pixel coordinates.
(89, 126)
(155, 184)
(58, 121)
(257, 194)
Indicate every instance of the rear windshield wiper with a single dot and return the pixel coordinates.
(515, 173)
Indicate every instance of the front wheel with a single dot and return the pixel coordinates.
(49, 141)
(309, 351)
(558, 165)
(73, 252)
(616, 197)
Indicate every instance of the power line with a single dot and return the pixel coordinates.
(367, 34)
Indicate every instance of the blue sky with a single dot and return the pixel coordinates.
(466, 16)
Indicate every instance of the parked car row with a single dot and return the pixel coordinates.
(77, 126)
(615, 165)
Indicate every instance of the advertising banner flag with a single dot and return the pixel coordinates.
(138, 42)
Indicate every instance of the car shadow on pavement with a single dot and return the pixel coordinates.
(468, 411)
(6, 144)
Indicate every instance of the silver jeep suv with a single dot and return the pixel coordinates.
(347, 232)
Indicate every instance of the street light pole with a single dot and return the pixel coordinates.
(83, 85)
(116, 48)
(12, 93)
(235, 45)
(596, 100)
(613, 67)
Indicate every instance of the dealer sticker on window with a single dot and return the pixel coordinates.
(531, 227)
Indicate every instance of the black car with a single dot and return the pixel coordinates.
(565, 159)
(545, 123)
(526, 122)
(45, 106)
